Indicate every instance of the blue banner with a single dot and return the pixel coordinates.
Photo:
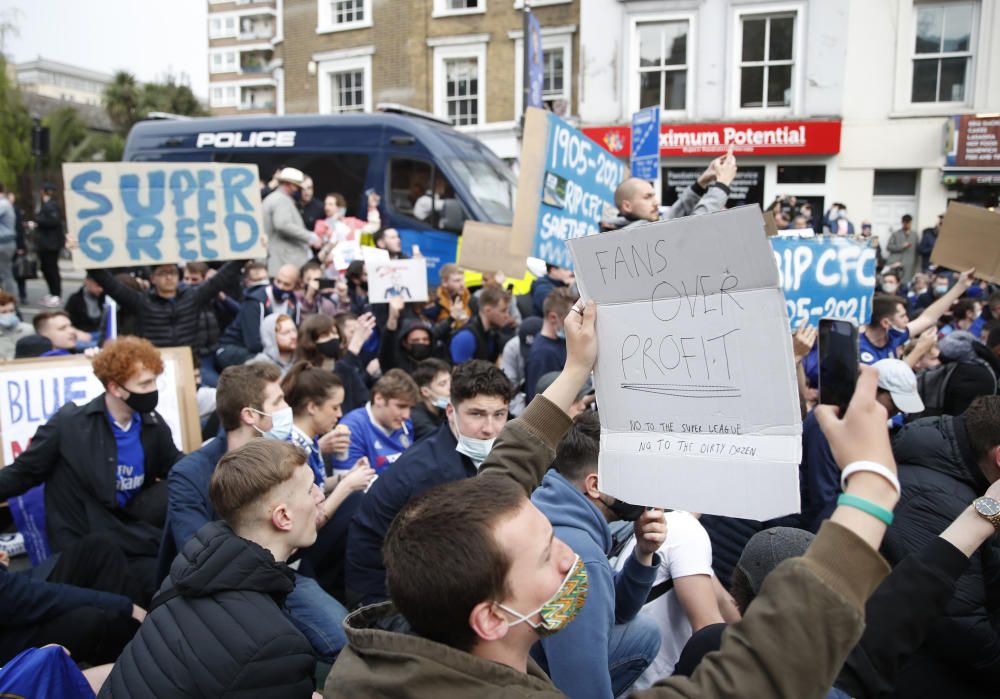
(646, 143)
(438, 248)
(536, 66)
(825, 277)
(578, 183)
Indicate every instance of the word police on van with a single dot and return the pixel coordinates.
(253, 139)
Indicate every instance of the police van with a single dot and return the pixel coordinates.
(400, 153)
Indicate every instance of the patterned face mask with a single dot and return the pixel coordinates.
(562, 607)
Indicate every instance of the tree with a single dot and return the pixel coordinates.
(123, 102)
(171, 96)
(15, 131)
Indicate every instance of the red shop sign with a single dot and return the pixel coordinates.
(747, 138)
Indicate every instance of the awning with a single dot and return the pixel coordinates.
(970, 177)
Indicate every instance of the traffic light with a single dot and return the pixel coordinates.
(40, 140)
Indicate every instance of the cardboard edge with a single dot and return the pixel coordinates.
(529, 186)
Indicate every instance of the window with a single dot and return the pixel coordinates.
(223, 96)
(553, 73)
(895, 183)
(221, 26)
(345, 80)
(942, 52)
(557, 68)
(339, 15)
(223, 62)
(444, 8)
(766, 61)
(801, 174)
(419, 190)
(662, 64)
(462, 91)
(348, 91)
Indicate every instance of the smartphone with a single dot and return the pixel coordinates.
(327, 283)
(838, 361)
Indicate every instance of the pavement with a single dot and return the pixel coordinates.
(37, 289)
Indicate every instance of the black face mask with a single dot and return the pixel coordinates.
(364, 286)
(626, 511)
(330, 348)
(420, 352)
(143, 402)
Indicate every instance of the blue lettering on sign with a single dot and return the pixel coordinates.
(579, 179)
(37, 401)
(205, 210)
(825, 277)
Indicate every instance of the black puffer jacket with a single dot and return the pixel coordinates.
(940, 478)
(168, 322)
(217, 628)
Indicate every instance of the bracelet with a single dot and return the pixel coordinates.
(871, 467)
(866, 506)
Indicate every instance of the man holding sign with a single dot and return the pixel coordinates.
(104, 464)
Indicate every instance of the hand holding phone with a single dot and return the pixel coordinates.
(838, 362)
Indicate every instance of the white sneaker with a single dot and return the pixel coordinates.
(52, 302)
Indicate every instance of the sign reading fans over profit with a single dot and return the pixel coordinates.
(566, 183)
(825, 277)
(694, 375)
(129, 214)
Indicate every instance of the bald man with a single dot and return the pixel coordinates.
(637, 201)
(241, 339)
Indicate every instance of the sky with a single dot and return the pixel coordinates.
(149, 38)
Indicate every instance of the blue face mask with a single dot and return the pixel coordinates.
(440, 402)
(561, 333)
(279, 294)
(281, 424)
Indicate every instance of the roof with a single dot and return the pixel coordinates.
(64, 68)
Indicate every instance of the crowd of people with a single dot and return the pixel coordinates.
(402, 498)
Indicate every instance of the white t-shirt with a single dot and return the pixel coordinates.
(687, 551)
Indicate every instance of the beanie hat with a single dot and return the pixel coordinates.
(766, 549)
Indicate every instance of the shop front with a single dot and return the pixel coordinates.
(972, 158)
(776, 158)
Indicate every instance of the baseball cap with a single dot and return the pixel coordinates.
(545, 380)
(896, 377)
(292, 175)
(766, 549)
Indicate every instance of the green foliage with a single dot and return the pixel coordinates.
(15, 131)
(127, 102)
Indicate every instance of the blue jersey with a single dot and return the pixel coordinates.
(311, 447)
(369, 439)
(131, 470)
(869, 353)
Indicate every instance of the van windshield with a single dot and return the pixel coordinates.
(492, 186)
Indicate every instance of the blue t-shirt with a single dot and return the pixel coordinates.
(131, 471)
(368, 439)
(869, 353)
(544, 356)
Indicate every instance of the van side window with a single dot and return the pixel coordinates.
(331, 172)
(421, 191)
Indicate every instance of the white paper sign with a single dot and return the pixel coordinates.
(373, 256)
(31, 395)
(405, 279)
(695, 376)
(345, 253)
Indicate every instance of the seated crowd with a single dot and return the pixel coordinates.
(402, 498)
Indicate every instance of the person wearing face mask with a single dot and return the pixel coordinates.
(321, 345)
(433, 378)
(890, 284)
(287, 236)
(548, 351)
(610, 644)
(938, 287)
(104, 463)
(12, 328)
(406, 339)
(241, 339)
(477, 411)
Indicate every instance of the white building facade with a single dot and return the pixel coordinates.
(829, 100)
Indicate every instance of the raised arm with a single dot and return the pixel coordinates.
(930, 316)
(128, 298)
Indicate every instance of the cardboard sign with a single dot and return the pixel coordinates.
(485, 247)
(34, 389)
(131, 214)
(405, 279)
(825, 277)
(373, 256)
(970, 237)
(566, 183)
(695, 376)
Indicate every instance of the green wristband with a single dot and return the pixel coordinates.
(866, 506)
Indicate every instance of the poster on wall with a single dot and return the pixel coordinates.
(695, 375)
(134, 214)
(566, 188)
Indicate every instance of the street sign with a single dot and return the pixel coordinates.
(646, 144)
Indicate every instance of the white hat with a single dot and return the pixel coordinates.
(292, 176)
(896, 377)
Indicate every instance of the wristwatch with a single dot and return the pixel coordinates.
(989, 509)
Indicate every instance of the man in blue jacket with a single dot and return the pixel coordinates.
(480, 394)
(609, 644)
(241, 339)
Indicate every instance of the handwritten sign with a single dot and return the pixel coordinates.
(825, 277)
(567, 183)
(405, 279)
(128, 214)
(34, 389)
(694, 375)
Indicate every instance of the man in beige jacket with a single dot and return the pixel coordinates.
(287, 237)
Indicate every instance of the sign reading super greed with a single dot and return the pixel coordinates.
(745, 138)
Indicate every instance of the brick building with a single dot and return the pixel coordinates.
(458, 59)
(244, 77)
